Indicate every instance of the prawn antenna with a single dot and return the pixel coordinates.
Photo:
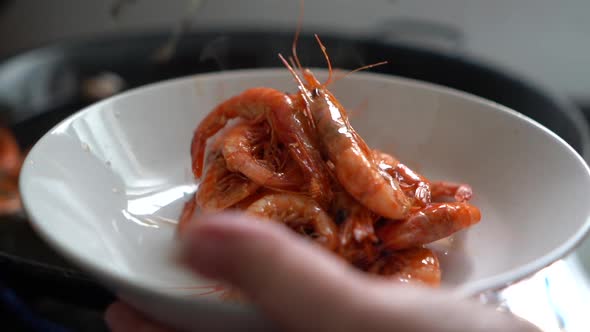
(329, 80)
(292, 62)
(361, 68)
(297, 32)
(300, 84)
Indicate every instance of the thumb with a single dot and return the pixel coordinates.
(285, 276)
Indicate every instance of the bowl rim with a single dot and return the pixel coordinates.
(116, 281)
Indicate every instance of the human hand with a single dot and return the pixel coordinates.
(301, 287)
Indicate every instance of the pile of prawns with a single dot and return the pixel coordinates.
(11, 161)
(295, 159)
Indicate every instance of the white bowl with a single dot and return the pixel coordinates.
(105, 186)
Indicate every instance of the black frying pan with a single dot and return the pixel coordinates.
(41, 87)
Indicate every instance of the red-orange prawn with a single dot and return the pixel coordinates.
(10, 200)
(295, 130)
(461, 192)
(221, 188)
(253, 105)
(241, 145)
(188, 211)
(300, 213)
(296, 159)
(11, 158)
(435, 222)
(412, 183)
(353, 161)
(356, 225)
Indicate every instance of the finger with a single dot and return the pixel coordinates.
(278, 270)
(122, 318)
(304, 288)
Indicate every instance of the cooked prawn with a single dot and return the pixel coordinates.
(300, 213)
(296, 132)
(296, 159)
(417, 186)
(357, 232)
(412, 183)
(409, 265)
(11, 158)
(219, 189)
(10, 200)
(239, 150)
(188, 211)
(460, 191)
(222, 188)
(353, 162)
(430, 224)
(11, 161)
(253, 105)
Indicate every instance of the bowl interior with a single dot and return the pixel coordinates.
(106, 186)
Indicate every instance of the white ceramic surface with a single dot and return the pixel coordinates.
(106, 185)
(583, 254)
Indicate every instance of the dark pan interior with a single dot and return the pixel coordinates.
(41, 87)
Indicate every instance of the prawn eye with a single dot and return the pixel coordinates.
(315, 93)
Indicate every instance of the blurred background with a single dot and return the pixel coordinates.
(542, 39)
(58, 56)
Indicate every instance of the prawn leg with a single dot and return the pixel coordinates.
(221, 188)
(357, 233)
(240, 144)
(300, 213)
(253, 105)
